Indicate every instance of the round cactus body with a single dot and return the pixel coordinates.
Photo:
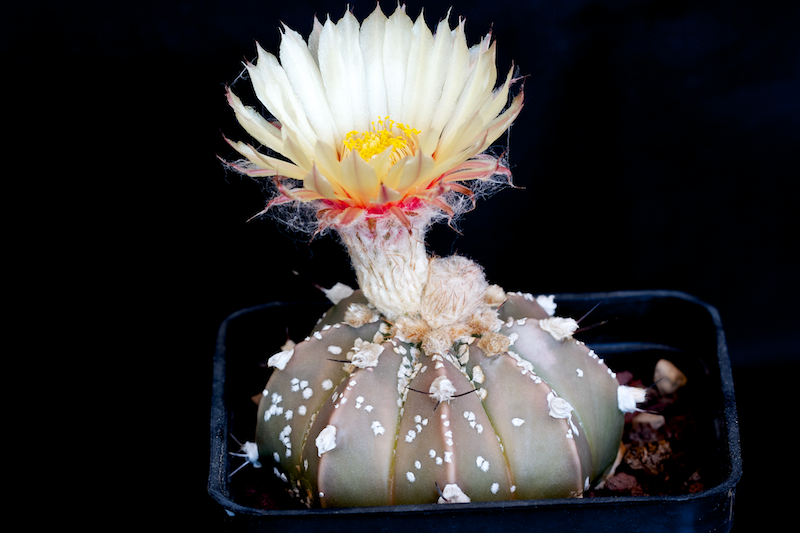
(365, 412)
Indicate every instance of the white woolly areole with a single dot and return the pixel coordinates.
(547, 303)
(455, 289)
(250, 452)
(452, 493)
(280, 359)
(628, 397)
(559, 327)
(338, 292)
(442, 389)
(559, 407)
(365, 354)
(326, 440)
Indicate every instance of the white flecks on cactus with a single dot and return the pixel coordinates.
(365, 354)
(452, 493)
(495, 488)
(517, 422)
(628, 397)
(579, 372)
(338, 292)
(477, 374)
(327, 384)
(482, 463)
(377, 428)
(442, 389)
(559, 327)
(302, 410)
(547, 303)
(417, 465)
(335, 350)
(280, 359)
(326, 440)
(411, 477)
(307, 393)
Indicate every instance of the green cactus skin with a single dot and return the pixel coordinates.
(501, 436)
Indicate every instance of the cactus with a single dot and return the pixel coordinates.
(427, 383)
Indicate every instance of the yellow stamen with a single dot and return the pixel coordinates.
(387, 133)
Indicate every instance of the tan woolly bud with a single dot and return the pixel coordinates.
(484, 320)
(459, 332)
(494, 296)
(437, 341)
(411, 330)
(456, 287)
(359, 314)
(494, 343)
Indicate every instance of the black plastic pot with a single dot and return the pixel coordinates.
(641, 328)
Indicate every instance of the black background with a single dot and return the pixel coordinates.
(658, 149)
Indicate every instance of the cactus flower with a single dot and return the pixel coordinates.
(373, 117)
(380, 125)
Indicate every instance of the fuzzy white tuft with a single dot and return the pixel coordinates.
(452, 493)
(628, 397)
(547, 303)
(338, 292)
(326, 440)
(279, 360)
(365, 354)
(560, 328)
(442, 389)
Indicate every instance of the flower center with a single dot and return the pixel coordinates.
(385, 134)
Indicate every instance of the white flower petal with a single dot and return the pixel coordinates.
(457, 71)
(342, 68)
(304, 75)
(316, 182)
(273, 89)
(417, 93)
(256, 125)
(373, 35)
(395, 60)
(270, 165)
(361, 179)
